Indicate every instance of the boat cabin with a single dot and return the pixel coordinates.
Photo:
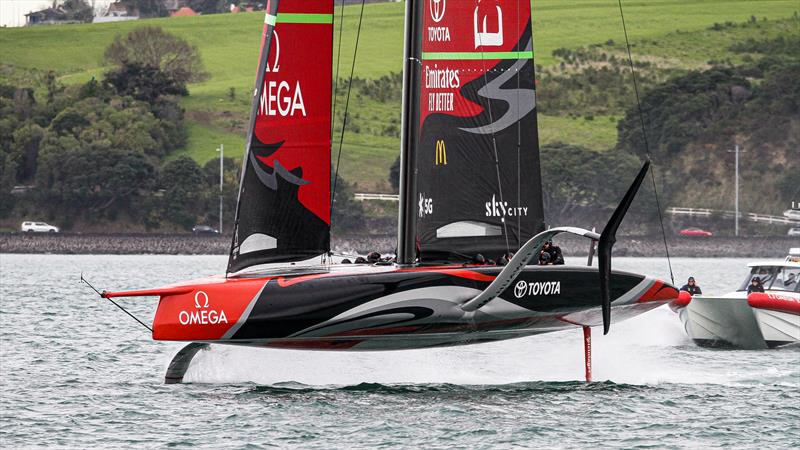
(775, 276)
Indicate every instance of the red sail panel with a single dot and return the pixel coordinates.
(476, 157)
(295, 103)
(284, 198)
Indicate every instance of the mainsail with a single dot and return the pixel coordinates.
(283, 212)
(471, 180)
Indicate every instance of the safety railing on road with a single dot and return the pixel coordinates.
(752, 217)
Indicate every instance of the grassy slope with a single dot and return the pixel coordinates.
(229, 46)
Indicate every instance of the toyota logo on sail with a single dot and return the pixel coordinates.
(437, 8)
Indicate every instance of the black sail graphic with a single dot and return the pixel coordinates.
(474, 167)
(283, 213)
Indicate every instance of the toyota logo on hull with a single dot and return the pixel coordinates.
(524, 288)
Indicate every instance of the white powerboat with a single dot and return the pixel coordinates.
(756, 320)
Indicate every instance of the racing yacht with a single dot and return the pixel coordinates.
(470, 184)
(756, 320)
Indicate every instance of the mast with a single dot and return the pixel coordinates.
(406, 224)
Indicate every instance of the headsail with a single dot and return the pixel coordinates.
(283, 213)
(472, 179)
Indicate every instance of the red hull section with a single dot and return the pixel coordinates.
(775, 302)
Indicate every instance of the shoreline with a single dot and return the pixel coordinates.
(188, 244)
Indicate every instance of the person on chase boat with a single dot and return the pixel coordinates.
(692, 287)
(755, 286)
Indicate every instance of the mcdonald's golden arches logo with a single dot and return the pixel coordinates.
(441, 153)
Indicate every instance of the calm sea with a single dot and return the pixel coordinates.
(75, 372)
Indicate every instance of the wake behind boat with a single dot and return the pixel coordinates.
(470, 190)
(748, 320)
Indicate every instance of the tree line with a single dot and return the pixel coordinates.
(102, 151)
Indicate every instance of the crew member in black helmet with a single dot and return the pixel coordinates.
(755, 286)
(692, 287)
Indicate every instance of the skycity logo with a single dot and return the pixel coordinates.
(202, 315)
(441, 153)
(496, 208)
(524, 288)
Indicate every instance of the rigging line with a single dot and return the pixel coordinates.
(346, 106)
(519, 133)
(102, 295)
(646, 143)
(338, 59)
(494, 141)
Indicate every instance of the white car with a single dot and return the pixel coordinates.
(792, 214)
(793, 232)
(38, 227)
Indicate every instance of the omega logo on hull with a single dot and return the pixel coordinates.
(202, 315)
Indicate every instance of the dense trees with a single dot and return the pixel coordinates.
(152, 47)
(579, 184)
(95, 151)
(692, 121)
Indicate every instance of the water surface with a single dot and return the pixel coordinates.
(76, 372)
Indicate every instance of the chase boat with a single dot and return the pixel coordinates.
(758, 320)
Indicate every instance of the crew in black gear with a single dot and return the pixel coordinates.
(553, 254)
(755, 286)
(692, 287)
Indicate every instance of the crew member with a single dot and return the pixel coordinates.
(755, 286)
(554, 256)
(692, 287)
(791, 282)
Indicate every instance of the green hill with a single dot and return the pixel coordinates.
(674, 33)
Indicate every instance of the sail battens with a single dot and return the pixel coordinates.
(476, 56)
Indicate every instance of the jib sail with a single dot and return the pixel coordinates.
(471, 181)
(283, 213)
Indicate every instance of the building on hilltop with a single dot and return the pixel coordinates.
(184, 12)
(116, 12)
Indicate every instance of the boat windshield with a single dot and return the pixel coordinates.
(775, 278)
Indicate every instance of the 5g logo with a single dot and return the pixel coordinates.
(425, 205)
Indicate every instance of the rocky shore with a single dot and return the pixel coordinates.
(187, 244)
